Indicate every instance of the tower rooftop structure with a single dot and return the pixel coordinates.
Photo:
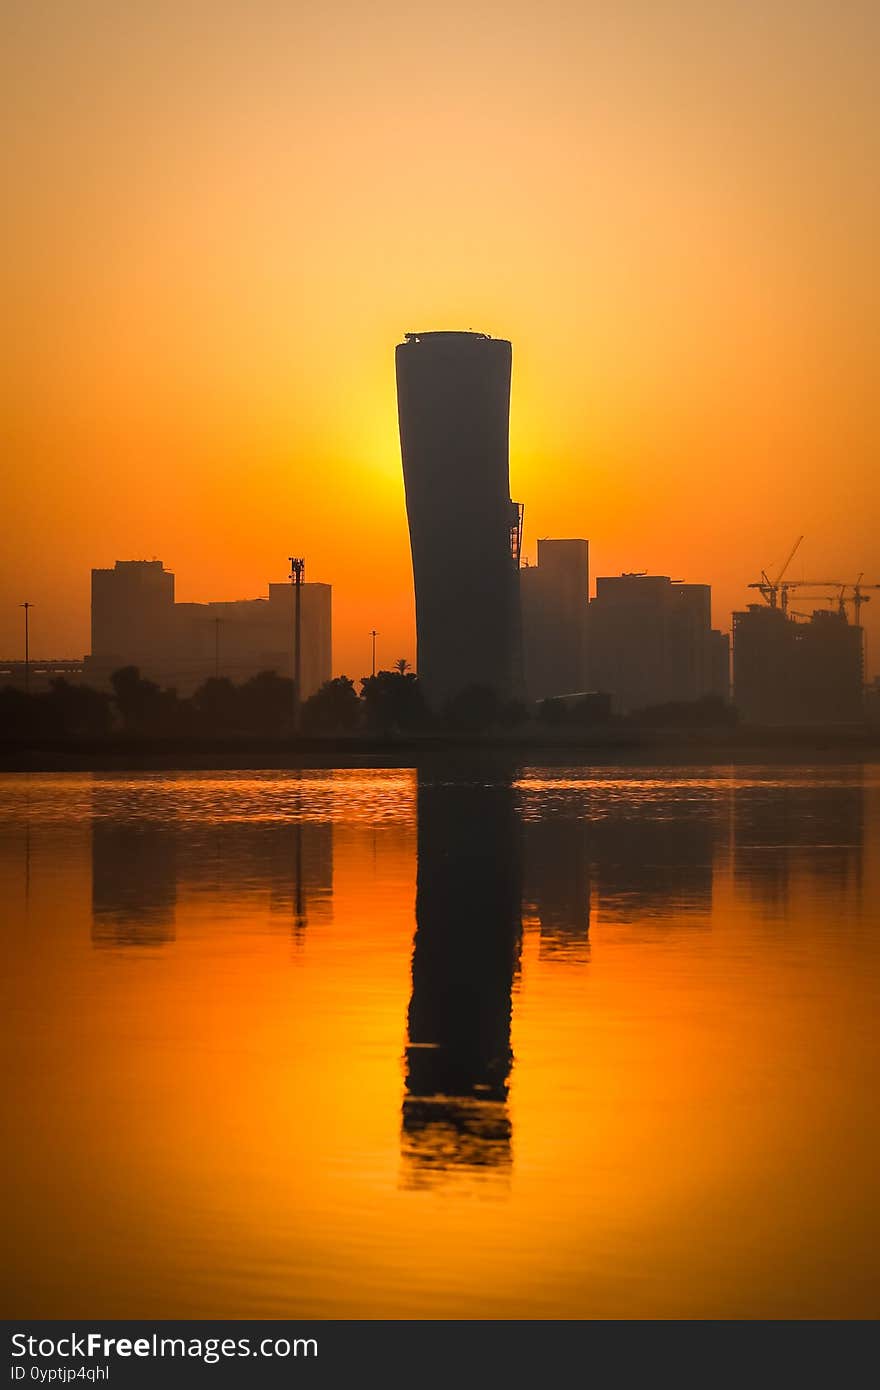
(448, 333)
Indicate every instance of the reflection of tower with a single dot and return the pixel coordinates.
(134, 883)
(468, 927)
(557, 885)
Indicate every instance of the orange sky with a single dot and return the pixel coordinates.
(224, 215)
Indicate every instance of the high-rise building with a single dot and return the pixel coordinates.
(689, 625)
(762, 664)
(652, 642)
(453, 394)
(787, 672)
(555, 597)
(719, 664)
(135, 622)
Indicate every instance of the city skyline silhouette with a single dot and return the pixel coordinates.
(649, 211)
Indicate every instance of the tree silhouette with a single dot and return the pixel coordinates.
(216, 706)
(76, 711)
(138, 701)
(393, 700)
(266, 703)
(333, 708)
(473, 709)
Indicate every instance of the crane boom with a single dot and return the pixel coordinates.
(791, 555)
(770, 587)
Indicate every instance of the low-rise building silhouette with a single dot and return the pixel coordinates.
(136, 622)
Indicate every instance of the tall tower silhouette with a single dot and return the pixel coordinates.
(453, 397)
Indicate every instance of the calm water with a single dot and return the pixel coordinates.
(379, 1043)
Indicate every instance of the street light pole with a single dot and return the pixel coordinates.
(27, 653)
(297, 575)
(374, 634)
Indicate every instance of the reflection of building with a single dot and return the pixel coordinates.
(786, 672)
(468, 929)
(555, 595)
(654, 860)
(556, 887)
(651, 642)
(139, 867)
(814, 833)
(301, 870)
(291, 860)
(134, 882)
(453, 392)
(135, 622)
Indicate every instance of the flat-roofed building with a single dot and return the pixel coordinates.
(787, 672)
(555, 598)
(652, 642)
(135, 622)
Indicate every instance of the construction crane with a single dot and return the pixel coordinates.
(770, 587)
(807, 584)
(858, 598)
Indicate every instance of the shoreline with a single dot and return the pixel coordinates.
(636, 747)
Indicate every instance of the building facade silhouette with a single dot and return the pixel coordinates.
(453, 394)
(652, 642)
(136, 622)
(555, 596)
(788, 672)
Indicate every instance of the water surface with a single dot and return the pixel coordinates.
(476, 1042)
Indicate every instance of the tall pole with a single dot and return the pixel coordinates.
(27, 651)
(374, 634)
(297, 574)
(217, 648)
